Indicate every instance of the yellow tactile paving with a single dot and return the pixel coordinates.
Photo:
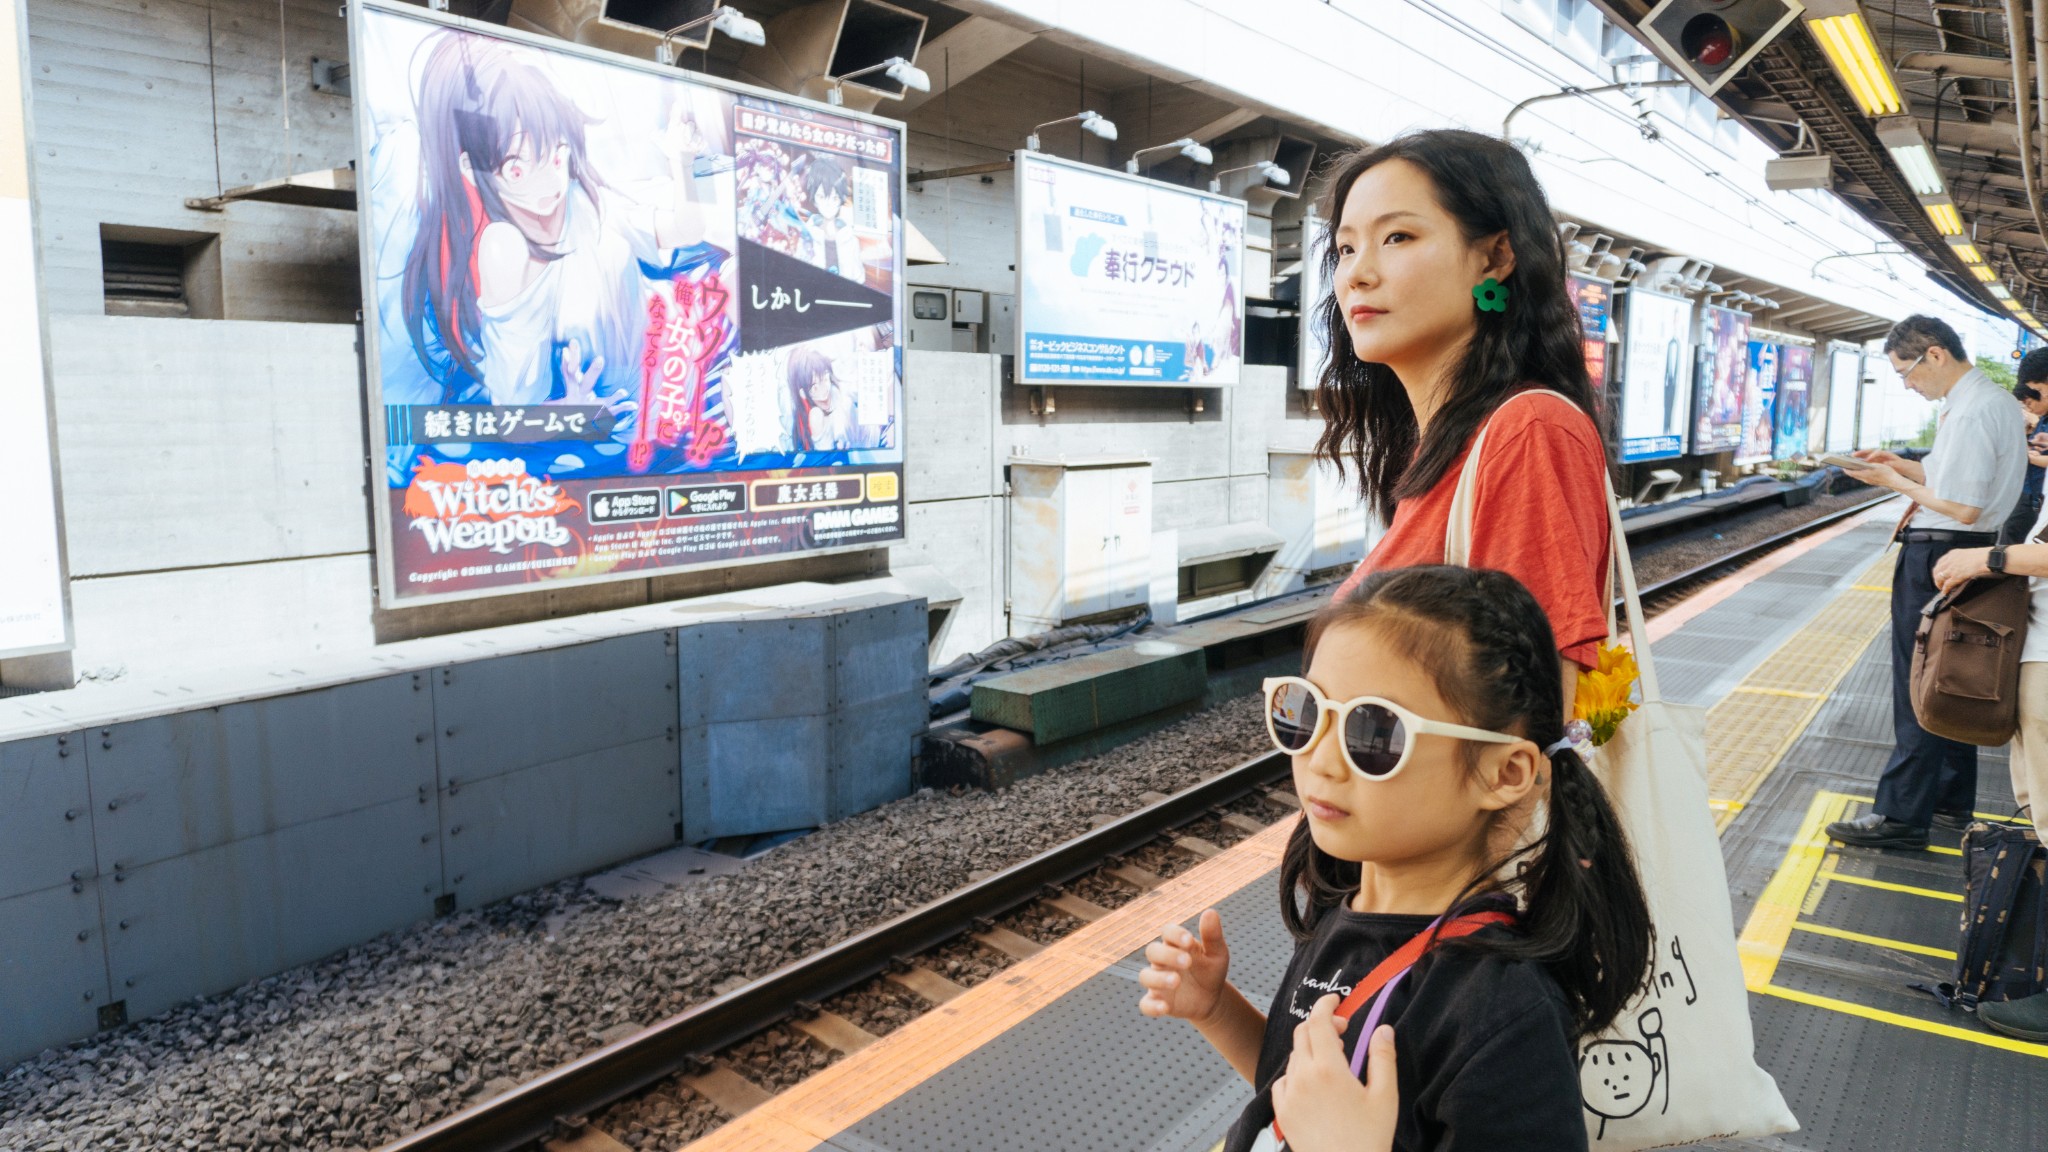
(1751, 729)
(1794, 893)
(862, 1084)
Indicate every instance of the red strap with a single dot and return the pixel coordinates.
(1407, 954)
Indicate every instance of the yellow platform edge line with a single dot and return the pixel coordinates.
(1848, 1007)
(1887, 886)
(1873, 941)
(1769, 927)
(840, 1096)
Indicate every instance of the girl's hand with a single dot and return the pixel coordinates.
(1960, 566)
(579, 383)
(1184, 973)
(1318, 1103)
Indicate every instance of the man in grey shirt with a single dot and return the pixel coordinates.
(1962, 491)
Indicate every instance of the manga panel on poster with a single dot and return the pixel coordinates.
(624, 322)
(1724, 369)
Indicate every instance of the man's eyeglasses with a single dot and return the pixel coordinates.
(1908, 369)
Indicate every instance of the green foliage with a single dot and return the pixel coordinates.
(1926, 437)
(2003, 374)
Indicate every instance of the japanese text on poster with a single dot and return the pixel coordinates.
(1122, 280)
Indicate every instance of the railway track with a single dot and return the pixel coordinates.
(682, 1052)
(1677, 585)
(558, 1105)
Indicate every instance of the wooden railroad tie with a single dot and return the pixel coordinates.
(926, 983)
(727, 1090)
(835, 1032)
(1009, 943)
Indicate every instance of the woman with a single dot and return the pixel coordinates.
(1449, 292)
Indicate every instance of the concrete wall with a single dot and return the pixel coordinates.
(151, 851)
(141, 104)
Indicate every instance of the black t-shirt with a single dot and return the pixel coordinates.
(1483, 1042)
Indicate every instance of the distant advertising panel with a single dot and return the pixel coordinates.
(1794, 409)
(622, 321)
(1123, 280)
(1656, 381)
(33, 602)
(1870, 413)
(1312, 346)
(1760, 398)
(1723, 376)
(1844, 378)
(1795, 377)
(1593, 298)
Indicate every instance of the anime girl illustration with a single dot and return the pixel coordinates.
(833, 244)
(822, 408)
(527, 273)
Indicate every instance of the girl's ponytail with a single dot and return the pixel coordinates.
(1584, 911)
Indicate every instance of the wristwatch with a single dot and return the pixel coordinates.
(1996, 561)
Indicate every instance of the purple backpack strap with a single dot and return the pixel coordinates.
(1372, 1022)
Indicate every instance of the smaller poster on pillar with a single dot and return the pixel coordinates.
(1722, 382)
(1760, 400)
(1124, 280)
(622, 320)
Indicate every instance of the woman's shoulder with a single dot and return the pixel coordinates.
(1534, 408)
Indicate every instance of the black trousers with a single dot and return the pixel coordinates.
(1927, 773)
(2021, 522)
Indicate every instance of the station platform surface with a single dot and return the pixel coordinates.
(1790, 656)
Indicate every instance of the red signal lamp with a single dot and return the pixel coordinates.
(1707, 41)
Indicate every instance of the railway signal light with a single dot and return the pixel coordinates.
(1710, 41)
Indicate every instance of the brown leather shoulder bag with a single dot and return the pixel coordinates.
(1966, 660)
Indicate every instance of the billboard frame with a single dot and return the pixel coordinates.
(1685, 392)
(383, 570)
(1017, 372)
(32, 201)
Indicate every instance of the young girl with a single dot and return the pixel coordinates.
(1423, 733)
(1449, 310)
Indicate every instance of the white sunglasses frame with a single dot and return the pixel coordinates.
(1330, 715)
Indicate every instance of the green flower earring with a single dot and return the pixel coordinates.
(1492, 295)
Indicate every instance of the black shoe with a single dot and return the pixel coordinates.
(1955, 821)
(1874, 830)
(2022, 1019)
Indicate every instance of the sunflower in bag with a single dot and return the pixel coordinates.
(1606, 693)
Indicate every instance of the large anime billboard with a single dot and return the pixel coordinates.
(1723, 382)
(1123, 280)
(622, 321)
(1656, 376)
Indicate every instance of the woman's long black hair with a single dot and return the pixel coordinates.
(1488, 188)
(1485, 642)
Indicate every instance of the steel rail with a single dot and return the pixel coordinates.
(558, 1100)
(1767, 544)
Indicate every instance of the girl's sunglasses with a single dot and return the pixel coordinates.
(1378, 735)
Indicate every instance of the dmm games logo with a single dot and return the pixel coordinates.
(490, 504)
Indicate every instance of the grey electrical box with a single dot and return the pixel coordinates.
(1002, 323)
(968, 307)
(1789, 172)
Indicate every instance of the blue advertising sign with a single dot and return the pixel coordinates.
(1123, 280)
(1759, 402)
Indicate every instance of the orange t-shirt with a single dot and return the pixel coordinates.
(1539, 515)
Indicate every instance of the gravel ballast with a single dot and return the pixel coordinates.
(1682, 552)
(370, 1044)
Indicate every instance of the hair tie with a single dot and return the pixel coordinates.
(1577, 734)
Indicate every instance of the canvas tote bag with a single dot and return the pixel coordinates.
(1687, 1036)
